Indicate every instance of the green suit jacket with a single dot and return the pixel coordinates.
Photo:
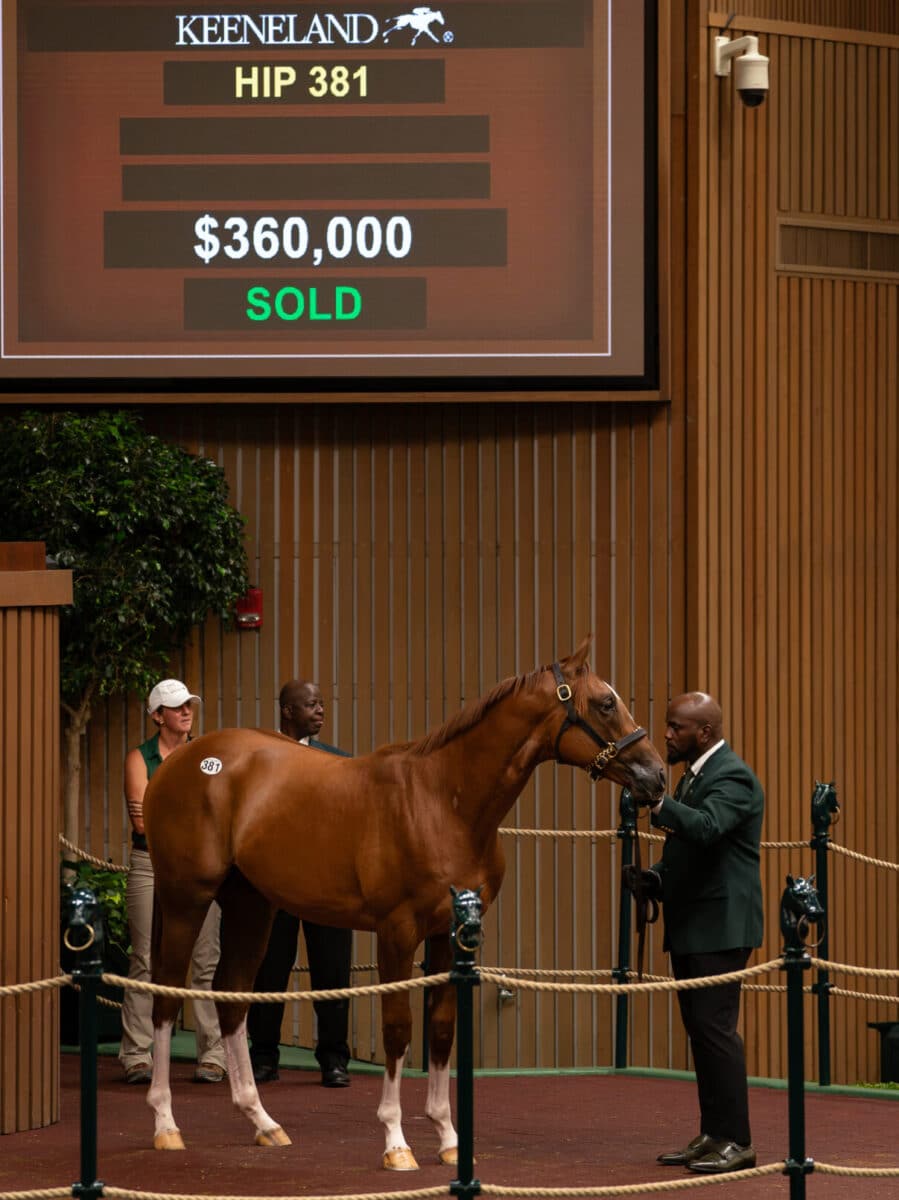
(711, 881)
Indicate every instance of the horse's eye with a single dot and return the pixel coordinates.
(607, 705)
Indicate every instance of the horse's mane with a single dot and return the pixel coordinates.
(474, 711)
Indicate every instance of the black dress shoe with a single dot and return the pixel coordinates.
(723, 1156)
(335, 1077)
(694, 1149)
(265, 1073)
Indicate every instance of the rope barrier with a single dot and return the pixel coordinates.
(38, 985)
(875, 862)
(117, 1193)
(872, 972)
(858, 1172)
(636, 1189)
(620, 989)
(877, 996)
(106, 863)
(373, 989)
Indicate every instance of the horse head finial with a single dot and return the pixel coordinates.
(467, 930)
(84, 934)
(800, 908)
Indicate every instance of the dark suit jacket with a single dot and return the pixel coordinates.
(711, 883)
(316, 744)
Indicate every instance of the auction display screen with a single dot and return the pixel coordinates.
(320, 191)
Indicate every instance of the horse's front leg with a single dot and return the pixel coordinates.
(396, 1025)
(441, 1027)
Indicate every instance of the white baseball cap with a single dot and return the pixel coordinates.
(169, 693)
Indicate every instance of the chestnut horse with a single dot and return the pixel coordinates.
(374, 843)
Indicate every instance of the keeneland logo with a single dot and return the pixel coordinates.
(296, 29)
(420, 19)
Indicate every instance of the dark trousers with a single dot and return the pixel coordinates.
(329, 952)
(710, 1018)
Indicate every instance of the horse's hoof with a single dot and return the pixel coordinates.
(272, 1137)
(400, 1159)
(169, 1139)
(450, 1156)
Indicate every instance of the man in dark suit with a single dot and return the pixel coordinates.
(709, 882)
(329, 950)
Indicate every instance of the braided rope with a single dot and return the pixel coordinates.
(105, 863)
(875, 862)
(858, 1172)
(785, 845)
(117, 1193)
(372, 989)
(872, 972)
(37, 1194)
(38, 985)
(620, 989)
(635, 1189)
(876, 996)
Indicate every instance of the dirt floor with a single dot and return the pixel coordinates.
(532, 1130)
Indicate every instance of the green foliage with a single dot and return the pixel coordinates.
(145, 527)
(109, 887)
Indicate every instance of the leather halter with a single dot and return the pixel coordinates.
(598, 766)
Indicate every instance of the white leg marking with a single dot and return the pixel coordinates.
(390, 1113)
(437, 1105)
(159, 1095)
(244, 1092)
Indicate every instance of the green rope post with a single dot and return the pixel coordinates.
(85, 936)
(799, 908)
(626, 832)
(466, 935)
(825, 809)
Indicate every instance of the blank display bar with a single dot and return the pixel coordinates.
(304, 135)
(308, 181)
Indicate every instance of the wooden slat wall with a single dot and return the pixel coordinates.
(29, 864)
(795, 481)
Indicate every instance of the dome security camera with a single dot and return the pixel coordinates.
(751, 69)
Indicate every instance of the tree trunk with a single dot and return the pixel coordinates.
(76, 721)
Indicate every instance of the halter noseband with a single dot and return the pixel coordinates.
(597, 766)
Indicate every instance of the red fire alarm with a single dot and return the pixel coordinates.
(249, 609)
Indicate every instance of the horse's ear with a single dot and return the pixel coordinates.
(575, 662)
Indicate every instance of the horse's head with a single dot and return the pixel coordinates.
(598, 733)
(799, 908)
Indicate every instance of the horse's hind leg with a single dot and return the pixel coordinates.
(441, 1026)
(175, 930)
(246, 924)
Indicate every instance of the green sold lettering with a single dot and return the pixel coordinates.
(292, 304)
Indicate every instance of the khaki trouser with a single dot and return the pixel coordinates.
(137, 1010)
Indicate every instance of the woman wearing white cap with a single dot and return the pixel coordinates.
(170, 707)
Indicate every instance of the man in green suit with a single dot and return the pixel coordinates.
(709, 882)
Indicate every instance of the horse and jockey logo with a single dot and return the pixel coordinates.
(420, 20)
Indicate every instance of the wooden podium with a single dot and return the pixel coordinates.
(30, 813)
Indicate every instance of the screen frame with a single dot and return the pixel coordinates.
(642, 386)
